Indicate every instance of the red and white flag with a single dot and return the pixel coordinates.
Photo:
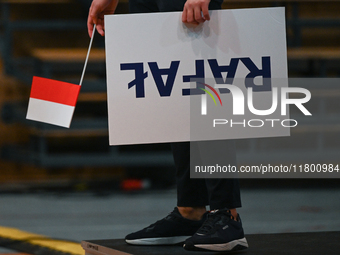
(52, 101)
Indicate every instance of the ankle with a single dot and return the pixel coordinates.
(234, 213)
(192, 213)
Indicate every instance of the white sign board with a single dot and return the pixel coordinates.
(150, 59)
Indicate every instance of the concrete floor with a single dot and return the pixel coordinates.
(83, 216)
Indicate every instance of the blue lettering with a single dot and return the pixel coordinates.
(265, 72)
(198, 77)
(139, 77)
(217, 71)
(165, 86)
(164, 89)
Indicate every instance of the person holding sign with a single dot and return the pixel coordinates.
(219, 229)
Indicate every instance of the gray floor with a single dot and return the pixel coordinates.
(85, 217)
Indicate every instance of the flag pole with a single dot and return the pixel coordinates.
(87, 56)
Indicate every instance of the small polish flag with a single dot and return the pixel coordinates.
(52, 101)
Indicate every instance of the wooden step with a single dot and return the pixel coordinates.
(72, 55)
(302, 53)
(70, 133)
(92, 97)
(98, 55)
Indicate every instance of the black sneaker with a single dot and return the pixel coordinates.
(173, 229)
(218, 233)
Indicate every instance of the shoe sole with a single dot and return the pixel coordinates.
(236, 245)
(158, 240)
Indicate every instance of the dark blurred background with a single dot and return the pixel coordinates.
(49, 39)
(70, 184)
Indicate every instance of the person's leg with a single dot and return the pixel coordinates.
(187, 217)
(182, 222)
(219, 193)
(223, 193)
(222, 231)
(192, 194)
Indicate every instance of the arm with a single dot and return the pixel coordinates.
(193, 10)
(98, 9)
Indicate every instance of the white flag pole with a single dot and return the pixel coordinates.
(87, 56)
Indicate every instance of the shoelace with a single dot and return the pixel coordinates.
(212, 219)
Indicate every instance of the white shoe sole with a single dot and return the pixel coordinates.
(158, 240)
(239, 244)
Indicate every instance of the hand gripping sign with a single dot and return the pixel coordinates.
(54, 101)
(163, 76)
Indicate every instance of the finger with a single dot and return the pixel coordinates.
(190, 16)
(100, 27)
(205, 11)
(90, 24)
(90, 21)
(184, 15)
(198, 15)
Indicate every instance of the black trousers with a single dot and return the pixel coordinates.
(217, 193)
